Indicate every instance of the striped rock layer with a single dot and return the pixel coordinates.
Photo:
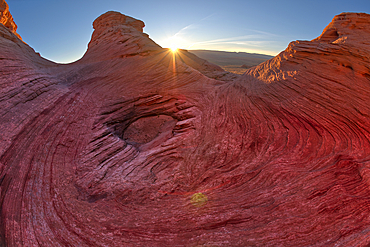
(133, 145)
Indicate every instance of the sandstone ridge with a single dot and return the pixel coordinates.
(7, 19)
(117, 35)
(342, 43)
(134, 145)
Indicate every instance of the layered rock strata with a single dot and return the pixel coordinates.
(135, 146)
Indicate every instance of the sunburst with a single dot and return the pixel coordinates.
(174, 48)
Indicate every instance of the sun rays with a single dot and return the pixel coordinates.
(174, 49)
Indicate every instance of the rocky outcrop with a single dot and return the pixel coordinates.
(117, 36)
(134, 146)
(7, 19)
(341, 46)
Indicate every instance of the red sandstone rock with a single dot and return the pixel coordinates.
(6, 18)
(133, 146)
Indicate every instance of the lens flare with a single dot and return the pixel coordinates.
(199, 199)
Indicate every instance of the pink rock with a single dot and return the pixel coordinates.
(135, 146)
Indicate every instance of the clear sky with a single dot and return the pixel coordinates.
(61, 29)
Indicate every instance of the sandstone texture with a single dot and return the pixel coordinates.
(133, 145)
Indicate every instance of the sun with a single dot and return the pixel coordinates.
(174, 48)
(174, 43)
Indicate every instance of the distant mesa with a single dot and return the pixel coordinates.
(244, 66)
(235, 62)
(133, 145)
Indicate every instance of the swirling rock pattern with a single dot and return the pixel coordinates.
(135, 146)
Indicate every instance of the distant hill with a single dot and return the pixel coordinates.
(235, 62)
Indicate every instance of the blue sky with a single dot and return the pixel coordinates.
(60, 30)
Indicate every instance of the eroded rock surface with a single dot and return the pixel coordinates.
(135, 146)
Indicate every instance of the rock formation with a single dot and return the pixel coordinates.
(135, 146)
(6, 18)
